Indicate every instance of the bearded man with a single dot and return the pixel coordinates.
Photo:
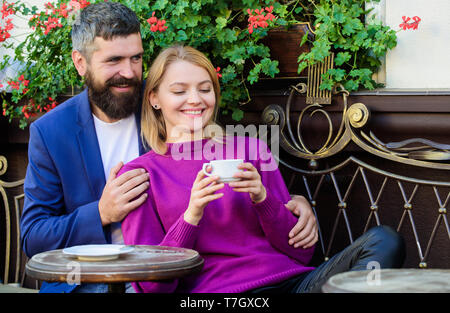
(72, 194)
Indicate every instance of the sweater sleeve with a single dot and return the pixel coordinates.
(143, 227)
(276, 220)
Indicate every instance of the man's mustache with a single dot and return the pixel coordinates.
(122, 81)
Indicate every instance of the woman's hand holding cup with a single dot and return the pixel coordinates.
(250, 182)
(202, 192)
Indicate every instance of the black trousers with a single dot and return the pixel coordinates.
(379, 244)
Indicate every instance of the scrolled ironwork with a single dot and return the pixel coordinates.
(356, 116)
(3, 165)
(353, 127)
(9, 223)
(274, 115)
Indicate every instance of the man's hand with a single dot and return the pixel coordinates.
(304, 234)
(123, 194)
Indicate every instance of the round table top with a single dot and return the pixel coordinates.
(390, 281)
(143, 263)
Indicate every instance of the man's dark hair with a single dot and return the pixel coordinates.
(106, 20)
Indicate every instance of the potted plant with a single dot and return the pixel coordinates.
(358, 41)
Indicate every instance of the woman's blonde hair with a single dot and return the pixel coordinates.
(153, 128)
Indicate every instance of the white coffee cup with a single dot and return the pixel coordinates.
(225, 169)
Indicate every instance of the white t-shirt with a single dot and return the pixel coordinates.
(118, 141)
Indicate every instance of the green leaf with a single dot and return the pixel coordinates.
(228, 74)
(269, 67)
(337, 73)
(282, 22)
(237, 115)
(196, 5)
(341, 58)
(221, 23)
(356, 9)
(351, 85)
(369, 84)
(327, 82)
(236, 55)
(258, 50)
(362, 73)
(181, 36)
(301, 67)
(321, 49)
(322, 11)
(304, 39)
(253, 75)
(160, 4)
(338, 15)
(226, 35)
(304, 59)
(351, 26)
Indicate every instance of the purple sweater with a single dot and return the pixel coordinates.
(244, 245)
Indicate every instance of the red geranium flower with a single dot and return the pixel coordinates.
(156, 25)
(218, 74)
(7, 9)
(260, 18)
(416, 22)
(414, 25)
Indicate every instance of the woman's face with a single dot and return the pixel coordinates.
(186, 98)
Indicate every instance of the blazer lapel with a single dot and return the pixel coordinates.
(90, 150)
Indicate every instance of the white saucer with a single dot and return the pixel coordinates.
(97, 252)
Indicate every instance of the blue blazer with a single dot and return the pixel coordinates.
(64, 182)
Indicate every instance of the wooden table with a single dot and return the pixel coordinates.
(144, 263)
(390, 281)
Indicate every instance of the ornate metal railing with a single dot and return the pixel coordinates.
(12, 196)
(414, 153)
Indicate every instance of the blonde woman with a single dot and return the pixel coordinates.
(241, 229)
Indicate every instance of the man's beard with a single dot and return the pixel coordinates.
(114, 106)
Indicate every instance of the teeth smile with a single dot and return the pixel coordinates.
(193, 112)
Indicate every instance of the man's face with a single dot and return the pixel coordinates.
(114, 75)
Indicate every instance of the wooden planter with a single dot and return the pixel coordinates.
(285, 47)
